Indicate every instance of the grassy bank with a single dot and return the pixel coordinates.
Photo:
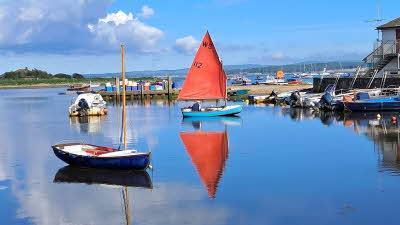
(57, 82)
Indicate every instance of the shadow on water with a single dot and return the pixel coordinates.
(383, 131)
(127, 178)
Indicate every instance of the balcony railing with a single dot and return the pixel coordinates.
(385, 48)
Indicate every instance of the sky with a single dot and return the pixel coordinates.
(84, 36)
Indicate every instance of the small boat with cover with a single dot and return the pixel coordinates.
(206, 81)
(94, 156)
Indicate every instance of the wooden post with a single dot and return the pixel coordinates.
(141, 92)
(123, 95)
(117, 88)
(169, 88)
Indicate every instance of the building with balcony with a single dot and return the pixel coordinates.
(385, 59)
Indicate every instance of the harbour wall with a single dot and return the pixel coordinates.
(360, 83)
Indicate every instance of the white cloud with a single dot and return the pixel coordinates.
(117, 18)
(68, 26)
(146, 12)
(186, 45)
(120, 27)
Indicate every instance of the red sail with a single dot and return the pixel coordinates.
(208, 151)
(206, 78)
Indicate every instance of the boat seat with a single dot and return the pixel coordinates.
(96, 151)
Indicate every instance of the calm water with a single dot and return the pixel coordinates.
(270, 166)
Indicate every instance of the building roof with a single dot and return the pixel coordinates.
(392, 24)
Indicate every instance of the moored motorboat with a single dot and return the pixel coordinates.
(88, 104)
(391, 103)
(79, 88)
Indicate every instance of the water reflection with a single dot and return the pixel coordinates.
(382, 130)
(385, 134)
(208, 152)
(74, 174)
(87, 124)
(197, 122)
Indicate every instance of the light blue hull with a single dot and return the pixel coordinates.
(224, 112)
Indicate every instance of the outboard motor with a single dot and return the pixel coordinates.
(295, 99)
(328, 103)
(326, 99)
(83, 104)
(287, 100)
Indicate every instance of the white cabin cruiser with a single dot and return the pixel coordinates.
(88, 104)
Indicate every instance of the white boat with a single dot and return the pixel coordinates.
(324, 73)
(273, 80)
(88, 104)
(241, 80)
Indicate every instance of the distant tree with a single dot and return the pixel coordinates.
(62, 76)
(39, 74)
(77, 76)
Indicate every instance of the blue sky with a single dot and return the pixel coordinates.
(84, 35)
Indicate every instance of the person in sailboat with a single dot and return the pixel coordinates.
(196, 107)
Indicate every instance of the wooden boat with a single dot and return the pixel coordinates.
(127, 178)
(94, 156)
(206, 80)
(87, 155)
(293, 81)
(208, 152)
(81, 88)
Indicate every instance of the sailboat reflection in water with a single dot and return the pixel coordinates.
(209, 152)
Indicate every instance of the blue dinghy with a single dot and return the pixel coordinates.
(93, 156)
(213, 111)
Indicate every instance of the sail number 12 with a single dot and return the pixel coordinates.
(197, 64)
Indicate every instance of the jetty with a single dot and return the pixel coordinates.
(138, 95)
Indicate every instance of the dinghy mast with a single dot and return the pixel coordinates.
(127, 210)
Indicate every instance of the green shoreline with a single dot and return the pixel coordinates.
(54, 83)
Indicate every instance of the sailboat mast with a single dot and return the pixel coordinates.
(123, 94)
(127, 210)
(226, 84)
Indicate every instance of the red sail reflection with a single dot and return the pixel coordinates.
(208, 151)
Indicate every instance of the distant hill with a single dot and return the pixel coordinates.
(300, 67)
(245, 68)
(170, 72)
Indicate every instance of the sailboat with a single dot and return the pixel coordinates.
(94, 156)
(209, 152)
(206, 80)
